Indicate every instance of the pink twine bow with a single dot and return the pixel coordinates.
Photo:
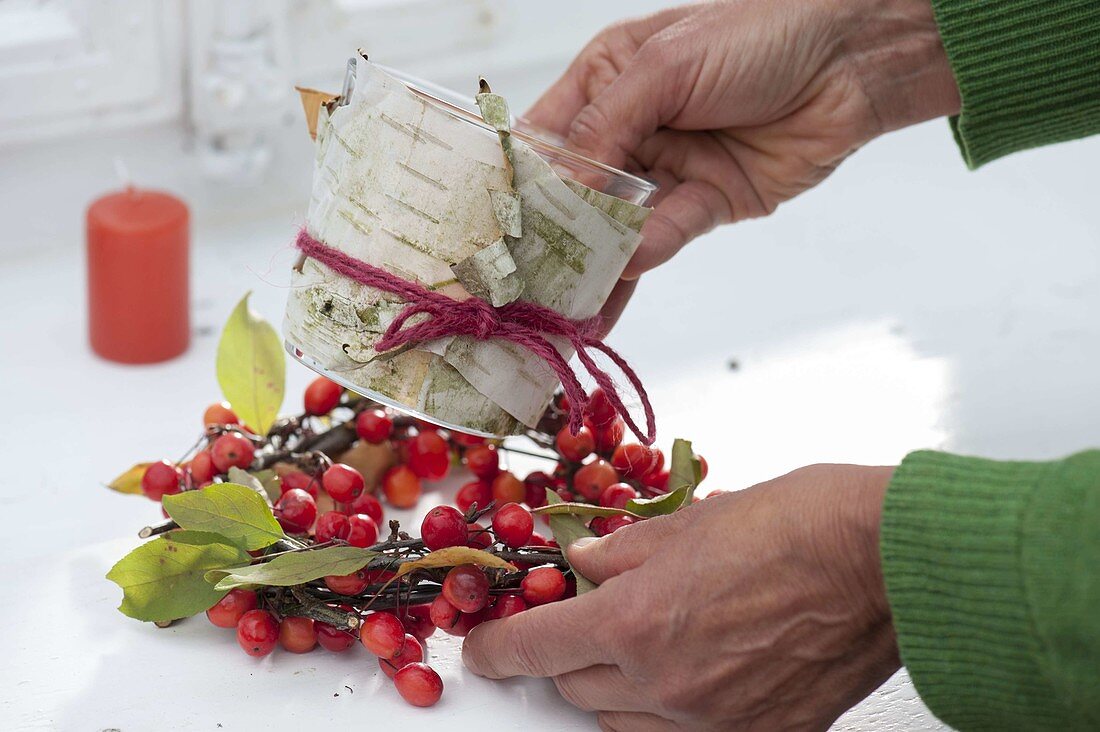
(523, 323)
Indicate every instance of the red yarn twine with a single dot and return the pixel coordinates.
(523, 323)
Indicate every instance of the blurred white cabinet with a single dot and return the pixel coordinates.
(68, 67)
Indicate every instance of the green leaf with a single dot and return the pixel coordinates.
(661, 505)
(130, 481)
(685, 471)
(235, 511)
(264, 482)
(251, 367)
(583, 509)
(270, 483)
(567, 529)
(164, 579)
(294, 569)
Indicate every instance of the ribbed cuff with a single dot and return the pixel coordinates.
(1028, 72)
(951, 546)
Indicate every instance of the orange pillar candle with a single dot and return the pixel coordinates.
(138, 302)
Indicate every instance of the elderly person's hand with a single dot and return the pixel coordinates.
(757, 610)
(738, 105)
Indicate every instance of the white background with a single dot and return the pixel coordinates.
(905, 303)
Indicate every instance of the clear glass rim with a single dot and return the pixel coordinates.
(432, 93)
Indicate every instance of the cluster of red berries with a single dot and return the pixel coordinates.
(421, 453)
(399, 646)
(594, 466)
(465, 598)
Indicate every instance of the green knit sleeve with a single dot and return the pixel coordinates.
(1028, 72)
(993, 575)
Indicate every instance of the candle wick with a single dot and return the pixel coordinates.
(124, 178)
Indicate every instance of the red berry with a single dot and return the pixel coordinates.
(484, 462)
(658, 480)
(219, 413)
(534, 489)
(297, 634)
(617, 495)
(703, 465)
(575, 447)
(444, 615)
(505, 606)
(382, 634)
(202, 468)
(513, 525)
(374, 426)
(422, 425)
(322, 396)
(466, 622)
(659, 465)
(566, 495)
(161, 479)
(479, 536)
(538, 539)
(258, 632)
(418, 684)
(599, 409)
(467, 588)
(507, 488)
(417, 620)
(429, 456)
(591, 479)
(465, 440)
(362, 530)
(333, 639)
(379, 576)
(609, 436)
(634, 460)
(296, 511)
(443, 526)
(401, 486)
(231, 451)
(330, 525)
(367, 504)
(604, 525)
(543, 585)
(563, 402)
(348, 584)
(478, 492)
(343, 482)
(296, 479)
(226, 612)
(411, 652)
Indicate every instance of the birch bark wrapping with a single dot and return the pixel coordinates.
(407, 186)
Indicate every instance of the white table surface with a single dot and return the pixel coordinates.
(906, 303)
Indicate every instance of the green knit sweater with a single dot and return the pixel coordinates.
(993, 569)
(1028, 72)
(993, 574)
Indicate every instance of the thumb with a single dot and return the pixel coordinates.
(601, 558)
(641, 99)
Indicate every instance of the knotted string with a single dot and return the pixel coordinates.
(523, 323)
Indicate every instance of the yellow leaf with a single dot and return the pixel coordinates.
(251, 367)
(130, 481)
(454, 556)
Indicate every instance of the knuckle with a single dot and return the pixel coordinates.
(589, 128)
(610, 722)
(529, 654)
(670, 698)
(658, 51)
(567, 687)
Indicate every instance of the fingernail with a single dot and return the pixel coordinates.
(582, 542)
